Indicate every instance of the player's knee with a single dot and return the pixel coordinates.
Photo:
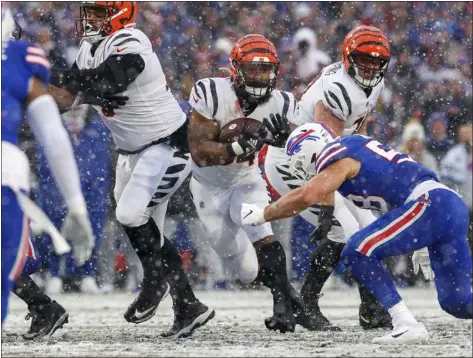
(457, 304)
(129, 217)
(248, 271)
(31, 266)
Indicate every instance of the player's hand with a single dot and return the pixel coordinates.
(325, 224)
(252, 215)
(278, 126)
(78, 231)
(420, 259)
(249, 142)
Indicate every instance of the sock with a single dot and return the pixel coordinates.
(324, 260)
(181, 290)
(273, 272)
(400, 314)
(26, 289)
(371, 273)
(146, 241)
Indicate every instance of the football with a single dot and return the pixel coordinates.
(232, 130)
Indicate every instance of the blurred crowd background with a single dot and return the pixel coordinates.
(425, 110)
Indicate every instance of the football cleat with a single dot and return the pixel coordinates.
(187, 320)
(309, 316)
(373, 316)
(405, 334)
(283, 319)
(45, 320)
(145, 305)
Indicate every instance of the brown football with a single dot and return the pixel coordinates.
(232, 130)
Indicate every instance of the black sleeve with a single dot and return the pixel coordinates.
(113, 76)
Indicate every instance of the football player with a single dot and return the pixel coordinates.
(225, 174)
(25, 77)
(419, 214)
(340, 97)
(116, 60)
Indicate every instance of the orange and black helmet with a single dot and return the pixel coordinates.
(366, 55)
(108, 17)
(254, 64)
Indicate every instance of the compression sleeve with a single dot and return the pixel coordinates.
(43, 117)
(113, 76)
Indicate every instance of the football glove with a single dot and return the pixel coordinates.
(248, 142)
(325, 224)
(278, 126)
(420, 259)
(252, 215)
(78, 231)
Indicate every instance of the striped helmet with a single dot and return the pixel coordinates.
(254, 64)
(366, 54)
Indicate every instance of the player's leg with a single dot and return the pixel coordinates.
(47, 315)
(15, 233)
(138, 176)
(270, 254)
(450, 257)
(189, 312)
(403, 230)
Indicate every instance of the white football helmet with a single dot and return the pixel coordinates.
(303, 146)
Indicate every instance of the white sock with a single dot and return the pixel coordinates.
(401, 315)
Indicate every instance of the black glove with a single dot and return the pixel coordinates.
(248, 142)
(279, 128)
(325, 224)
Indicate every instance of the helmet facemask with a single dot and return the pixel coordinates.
(367, 71)
(302, 167)
(91, 22)
(257, 78)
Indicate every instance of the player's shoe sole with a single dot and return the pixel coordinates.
(133, 316)
(186, 331)
(405, 335)
(48, 331)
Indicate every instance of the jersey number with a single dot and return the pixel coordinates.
(370, 202)
(387, 153)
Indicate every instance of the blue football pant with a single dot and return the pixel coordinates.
(439, 221)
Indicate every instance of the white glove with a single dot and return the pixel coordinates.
(78, 231)
(420, 258)
(252, 214)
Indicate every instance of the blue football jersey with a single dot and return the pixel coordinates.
(386, 177)
(20, 62)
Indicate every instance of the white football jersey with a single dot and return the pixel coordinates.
(215, 99)
(151, 112)
(340, 95)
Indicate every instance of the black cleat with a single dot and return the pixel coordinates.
(145, 305)
(189, 319)
(308, 315)
(373, 316)
(46, 320)
(283, 319)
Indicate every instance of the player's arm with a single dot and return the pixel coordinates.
(322, 114)
(64, 99)
(204, 148)
(319, 188)
(45, 121)
(113, 76)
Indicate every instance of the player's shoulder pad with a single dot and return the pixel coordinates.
(126, 41)
(288, 100)
(333, 152)
(204, 97)
(336, 96)
(34, 59)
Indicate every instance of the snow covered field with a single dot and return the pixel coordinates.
(96, 328)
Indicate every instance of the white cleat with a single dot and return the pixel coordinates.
(54, 286)
(405, 334)
(89, 285)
